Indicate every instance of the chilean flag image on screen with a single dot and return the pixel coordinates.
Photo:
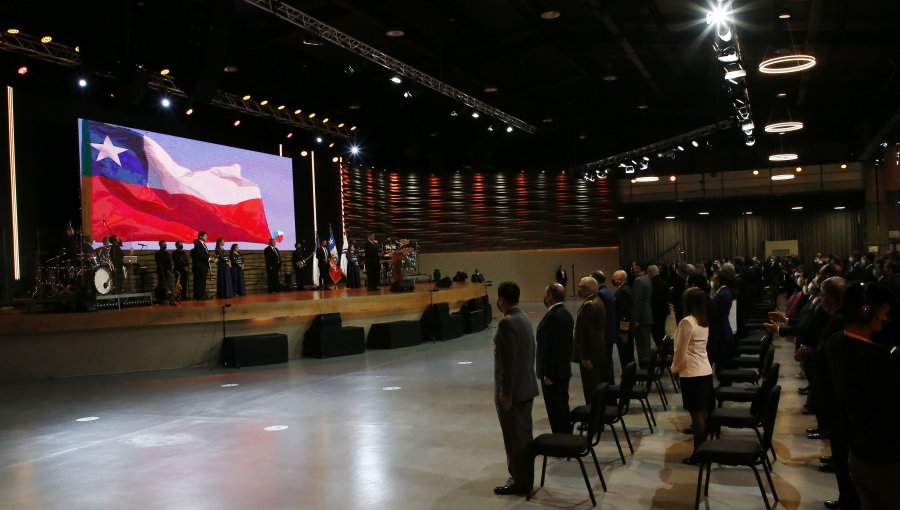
(141, 192)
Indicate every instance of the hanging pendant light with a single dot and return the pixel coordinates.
(786, 123)
(787, 60)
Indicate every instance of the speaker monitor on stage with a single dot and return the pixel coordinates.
(404, 285)
(444, 283)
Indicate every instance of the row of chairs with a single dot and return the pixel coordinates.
(610, 403)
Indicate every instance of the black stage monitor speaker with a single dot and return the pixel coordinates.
(404, 285)
(244, 351)
(444, 283)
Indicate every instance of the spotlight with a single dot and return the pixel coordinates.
(673, 178)
(290, 135)
(491, 128)
(475, 115)
(331, 145)
(727, 54)
(340, 125)
(670, 217)
(843, 166)
(703, 213)
(22, 71)
(280, 107)
(354, 150)
(694, 143)
(237, 123)
(797, 208)
(551, 14)
(352, 128)
(645, 159)
(407, 94)
(304, 154)
(839, 208)
(189, 111)
(82, 83)
(750, 141)
(734, 71)
(680, 148)
(349, 71)
(395, 33)
(298, 111)
(318, 139)
(264, 102)
(509, 129)
(12, 31)
(396, 79)
(312, 115)
(756, 172)
(453, 113)
(246, 97)
(335, 159)
(165, 72)
(325, 120)
(165, 102)
(46, 39)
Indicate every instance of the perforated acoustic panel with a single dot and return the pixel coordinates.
(473, 211)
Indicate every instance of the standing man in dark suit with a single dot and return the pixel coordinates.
(589, 348)
(659, 303)
(180, 261)
(373, 264)
(200, 263)
(554, 353)
(273, 266)
(610, 336)
(642, 313)
(515, 386)
(163, 266)
(624, 307)
(561, 277)
(323, 258)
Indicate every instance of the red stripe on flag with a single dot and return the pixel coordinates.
(140, 213)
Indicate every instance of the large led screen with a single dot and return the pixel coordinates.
(145, 187)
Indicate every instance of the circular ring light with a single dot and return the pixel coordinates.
(787, 64)
(783, 157)
(784, 127)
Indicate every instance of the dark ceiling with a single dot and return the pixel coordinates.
(548, 73)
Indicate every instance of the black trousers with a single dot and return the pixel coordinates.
(518, 431)
(373, 275)
(272, 280)
(556, 399)
(626, 350)
(200, 274)
(592, 378)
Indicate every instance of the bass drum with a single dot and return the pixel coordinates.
(103, 281)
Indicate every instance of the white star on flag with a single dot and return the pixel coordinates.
(108, 150)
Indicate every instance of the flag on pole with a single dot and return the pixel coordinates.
(142, 190)
(334, 269)
(344, 255)
(315, 263)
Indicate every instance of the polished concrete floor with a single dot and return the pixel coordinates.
(413, 428)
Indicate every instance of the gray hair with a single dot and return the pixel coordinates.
(652, 270)
(590, 284)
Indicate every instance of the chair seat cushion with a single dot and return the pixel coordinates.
(731, 452)
(733, 417)
(735, 394)
(559, 445)
(748, 349)
(738, 375)
(637, 392)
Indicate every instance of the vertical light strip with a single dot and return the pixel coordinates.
(315, 266)
(13, 202)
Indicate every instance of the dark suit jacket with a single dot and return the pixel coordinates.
(554, 344)
(200, 255)
(659, 299)
(163, 263)
(322, 256)
(612, 320)
(590, 333)
(642, 291)
(624, 305)
(514, 358)
(371, 253)
(180, 260)
(273, 259)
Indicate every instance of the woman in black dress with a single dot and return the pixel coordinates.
(237, 271)
(354, 281)
(224, 284)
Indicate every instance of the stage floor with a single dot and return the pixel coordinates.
(348, 302)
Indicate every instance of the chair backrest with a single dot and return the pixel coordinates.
(598, 411)
(652, 368)
(767, 360)
(771, 411)
(766, 344)
(772, 375)
(626, 384)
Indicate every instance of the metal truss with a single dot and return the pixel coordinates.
(298, 18)
(605, 165)
(69, 57)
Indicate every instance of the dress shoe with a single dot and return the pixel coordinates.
(505, 490)
(826, 459)
(817, 435)
(832, 504)
(803, 391)
(827, 468)
(813, 430)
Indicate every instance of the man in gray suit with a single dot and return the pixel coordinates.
(554, 355)
(589, 348)
(515, 386)
(642, 315)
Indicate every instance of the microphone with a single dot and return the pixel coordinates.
(142, 245)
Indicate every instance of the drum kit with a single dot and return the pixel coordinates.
(69, 274)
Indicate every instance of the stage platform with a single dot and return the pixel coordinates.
(42, 345)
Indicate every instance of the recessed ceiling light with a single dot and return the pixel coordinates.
(839, 208)
(490, 90)
(264, 102)
(647, 178)
(797, 208)
(396, 79)
(703, 213)
(354, 106)
(843, 166)
(799, 169)
(246, 97)
(165, 72)
(548, 120)
(756, 172)
(784, 15)
(550, 14)
(298, 111)
(621, 217)
(12, 31)
(395, 33)
(670, 217)
(782, 177)
(46, 39)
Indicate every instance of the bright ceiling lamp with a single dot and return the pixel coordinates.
(784, 127)
(646, 178)
(782, 177)
(727, 54)
(788, 156)
(734, 71)
(787, 64)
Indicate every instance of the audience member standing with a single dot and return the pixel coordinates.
(610, 335)
(515, 386)
(554, 355)
(691, 364)
(624, 308)
(642, 314)
(200, 262)
(561, 277)
(224, 282)
(589, 347)
(722, 328)
(659, 303)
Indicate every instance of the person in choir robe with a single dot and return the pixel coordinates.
(237, 270)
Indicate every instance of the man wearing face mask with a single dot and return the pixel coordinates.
(515, 386)
(554, 352)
